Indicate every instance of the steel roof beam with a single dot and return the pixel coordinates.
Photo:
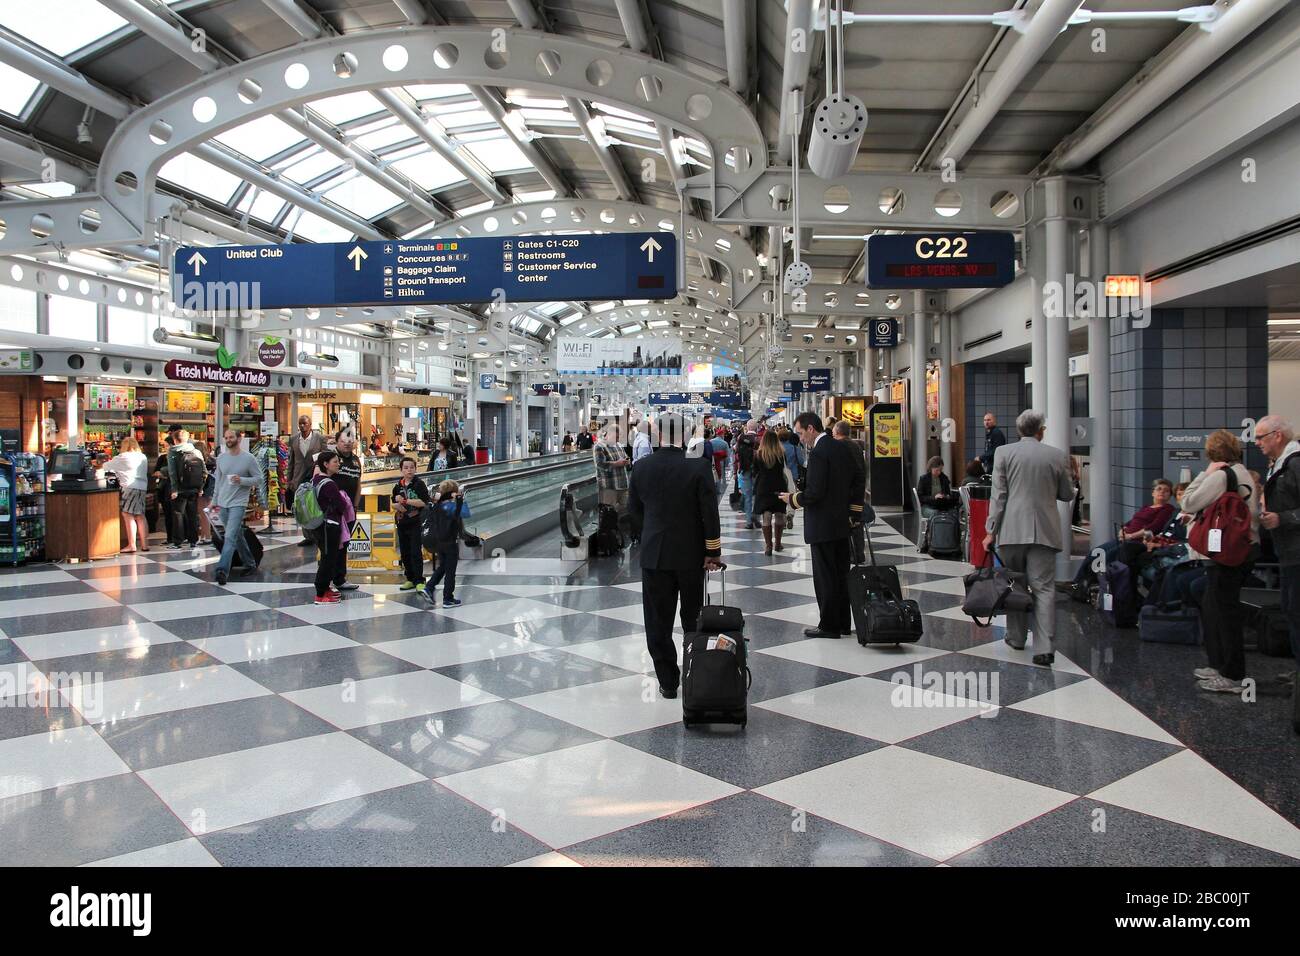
(59, 76)
(303, 24)
(159, 30)
(735, 34)
(488, 98)
(861, 209)
(363, 163)
(1051, 17)
(794, 71)
(35, 161)
(286, 191)
(1150, 88)
(441, 145)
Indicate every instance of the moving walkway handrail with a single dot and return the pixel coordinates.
(512, 476)
(572, 535)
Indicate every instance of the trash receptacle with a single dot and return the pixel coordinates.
(481, 456)
(976, 518)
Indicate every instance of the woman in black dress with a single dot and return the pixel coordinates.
(771, 478)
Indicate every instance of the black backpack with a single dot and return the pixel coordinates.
(193, 473)
(609, 536)
(745, 453)
(441, 528)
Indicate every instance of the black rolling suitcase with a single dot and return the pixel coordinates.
(250, 536)
(715, 668)
(880, 614)
(1264, 616)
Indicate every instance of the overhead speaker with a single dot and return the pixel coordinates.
(837, 131)
(798, 275)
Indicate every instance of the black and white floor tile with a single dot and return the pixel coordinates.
(149, 716)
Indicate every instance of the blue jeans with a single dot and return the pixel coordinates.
(747, 490)
(232, 521)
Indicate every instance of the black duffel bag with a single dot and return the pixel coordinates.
(992, 591)
(891, 621)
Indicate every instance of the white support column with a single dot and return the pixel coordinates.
(1054, 384)
(74, 414)
(945, 400)
(1099, 479)
(916, 388)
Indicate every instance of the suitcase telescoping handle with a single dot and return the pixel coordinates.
(721, 577)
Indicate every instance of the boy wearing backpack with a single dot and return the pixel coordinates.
(1226, 532)
(410, 496)
(442, 533)
(187, 474)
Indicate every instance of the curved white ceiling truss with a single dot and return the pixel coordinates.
(119, 211)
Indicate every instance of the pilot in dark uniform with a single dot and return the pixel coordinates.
(675, 498)
(833, 498)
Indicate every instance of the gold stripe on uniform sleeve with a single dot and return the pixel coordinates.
(794, 500)
(713, 544)
(855, 507)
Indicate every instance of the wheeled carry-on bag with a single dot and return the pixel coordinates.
(1164, 621)
(880, 614)
(715, 668)
(250, 536)
(1265, 617)
(1116, 599)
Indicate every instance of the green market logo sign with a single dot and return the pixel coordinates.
(271, 352)
(226, 359)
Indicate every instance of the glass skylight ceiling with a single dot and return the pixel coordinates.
(78, 24)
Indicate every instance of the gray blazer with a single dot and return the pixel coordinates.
(1028, 479)
(300, 467)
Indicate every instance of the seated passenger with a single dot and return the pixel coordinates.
(975, 473)
(1141, 528)
(935, 491)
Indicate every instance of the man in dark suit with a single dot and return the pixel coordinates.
(674, 498)
(833, 497)
(861, 514)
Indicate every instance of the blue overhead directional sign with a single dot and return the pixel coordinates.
(941, 260)
(630, 265)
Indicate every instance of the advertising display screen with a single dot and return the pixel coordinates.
(179, 401)
(888, 435)
(699, 375)
(578, 355)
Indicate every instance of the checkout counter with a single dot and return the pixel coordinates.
(82, 520)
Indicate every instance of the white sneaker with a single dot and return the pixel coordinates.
(1222, 685)
(1205, 673)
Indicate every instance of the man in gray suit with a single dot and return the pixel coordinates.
(1028, 479)
(303, 449)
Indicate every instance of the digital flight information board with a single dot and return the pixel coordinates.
(941, 260)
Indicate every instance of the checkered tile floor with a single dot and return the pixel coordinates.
(244, 725)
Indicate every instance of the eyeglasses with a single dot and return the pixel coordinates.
(1259, 436)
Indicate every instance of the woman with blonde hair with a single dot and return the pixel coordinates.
(131, 466)
(1222, 616)
(771, 478)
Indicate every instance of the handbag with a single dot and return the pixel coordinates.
(991, 591)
